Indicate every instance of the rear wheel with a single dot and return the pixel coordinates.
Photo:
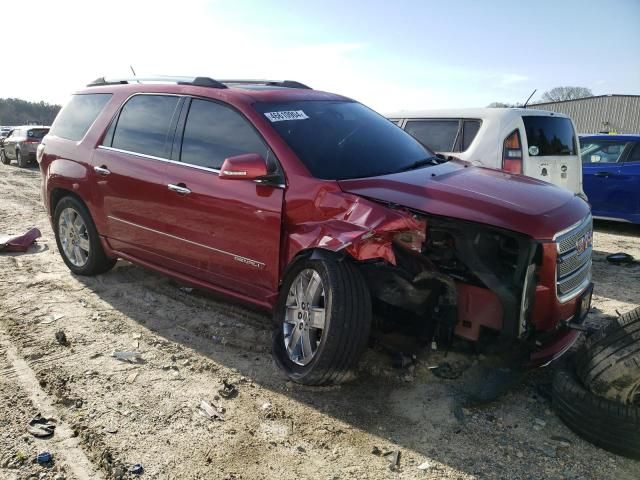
(78, 240)
(22, 161)
(323, 319)
(3, 158)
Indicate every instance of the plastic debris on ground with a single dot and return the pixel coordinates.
(131, 357)
(137, 469)
(44, 457)
(621, 258)
(211, 411)
(19, 243)
(228, 390)
(52, 318)
(41, 427)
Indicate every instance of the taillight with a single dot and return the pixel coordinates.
(31, 141)
(512, 153)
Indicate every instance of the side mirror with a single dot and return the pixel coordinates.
(250, 166)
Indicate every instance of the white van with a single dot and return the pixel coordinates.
(536, 143)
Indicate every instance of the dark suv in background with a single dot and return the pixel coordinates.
(318, 209)
(21, 144)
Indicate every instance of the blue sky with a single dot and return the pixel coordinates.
(390, 55)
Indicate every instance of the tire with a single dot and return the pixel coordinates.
(608, 364)
(4, 159)
(346, 302)
(22, 161)
(607, 424)
(96, 261)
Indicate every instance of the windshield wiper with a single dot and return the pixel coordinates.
(423, 163)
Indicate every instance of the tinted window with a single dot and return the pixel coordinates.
(143, 124)
(338, 140)
(602, 151)
(440, 135)
(635, 154)
(37, 132)
(214, 132)
(469, 131)
(549, 136)
(76, 117)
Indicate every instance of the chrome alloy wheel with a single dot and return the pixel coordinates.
(304, 317)
(74, 237)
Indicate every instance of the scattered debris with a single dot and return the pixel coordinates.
(211, 411)
(266, 406)
(376, 451)
(400, 360)
(137, 336)
(19, 243)
(540, 422)
(394, 459)
(621, 258)
(137, 469)
(446, 371)
(186, 289)
(131, 357)
(41, 427)
(111, 429)
(61, 338)
(44, 457)
(228, 390)
(132, 377)
(52, 318)
(425, 465)
(301, 449)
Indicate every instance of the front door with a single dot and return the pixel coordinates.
(602, 163)
(223, 231)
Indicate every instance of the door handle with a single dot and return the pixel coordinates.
(182, 190)
(602, 174)
(104, 171)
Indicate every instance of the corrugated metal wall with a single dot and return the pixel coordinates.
(613, 113)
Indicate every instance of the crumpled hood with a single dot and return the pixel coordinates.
(458, 190)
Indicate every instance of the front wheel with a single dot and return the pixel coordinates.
(323, 320)
(78, 240)
(3, 158)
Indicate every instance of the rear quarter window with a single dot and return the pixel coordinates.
(37, 132)
(438, 135)
(78, 115)
(549, 136)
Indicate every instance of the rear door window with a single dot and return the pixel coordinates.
(143, 124)
(214, 132)
(634, 156)
(439, 135)
(549, 136)
(78, 115)
(602, 151)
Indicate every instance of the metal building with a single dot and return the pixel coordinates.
(600, 114)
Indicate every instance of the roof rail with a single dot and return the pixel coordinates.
(196, 81)
(270, 83)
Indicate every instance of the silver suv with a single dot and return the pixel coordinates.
(21, 144)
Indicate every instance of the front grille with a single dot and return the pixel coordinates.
(573, 272)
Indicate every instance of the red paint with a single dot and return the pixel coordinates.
(477, 308)
(243, 167)
(238, 237)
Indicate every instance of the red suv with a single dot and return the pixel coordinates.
(313, 206)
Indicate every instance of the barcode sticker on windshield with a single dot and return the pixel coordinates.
(286, 115)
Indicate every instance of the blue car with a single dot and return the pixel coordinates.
(611, 175)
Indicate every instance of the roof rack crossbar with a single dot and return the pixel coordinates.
(271, 83)
(196, 81)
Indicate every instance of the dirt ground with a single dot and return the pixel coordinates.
(112, 414)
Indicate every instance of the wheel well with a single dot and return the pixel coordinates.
(58, 194)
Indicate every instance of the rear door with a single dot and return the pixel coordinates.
(551, 151)
(223, 231)
(130, 176)
(602, 168)
(629, 183)
(10, 144)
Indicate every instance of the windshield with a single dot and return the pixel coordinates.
(337, 140)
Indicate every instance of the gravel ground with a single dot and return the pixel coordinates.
(112, 414)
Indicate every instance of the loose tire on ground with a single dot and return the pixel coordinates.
(22, 161)
(607, 424)
(608, 364)
(97, 262)
(4, 159)
(347, 322)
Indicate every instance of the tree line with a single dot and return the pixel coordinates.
(14, 111)
(556, 94)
